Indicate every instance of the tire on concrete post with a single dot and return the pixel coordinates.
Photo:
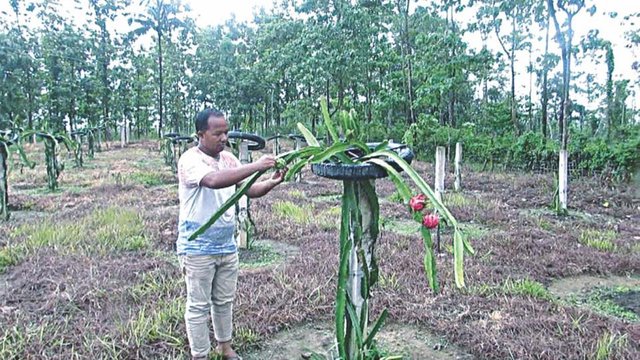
(258, 142)
(336, 171)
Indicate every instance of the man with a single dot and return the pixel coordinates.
(207, 177)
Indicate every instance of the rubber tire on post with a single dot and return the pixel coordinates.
(78, 132)
(297, 137)
(171, 135)
(354, 172)
(178, 139)
(258, 141)
(276, 137)
(14, 138)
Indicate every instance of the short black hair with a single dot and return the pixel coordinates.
(202, 119)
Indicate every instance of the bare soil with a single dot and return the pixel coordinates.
(410, 342)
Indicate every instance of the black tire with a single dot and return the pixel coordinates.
(362, 171)
(271, 138)
(78, 132)
(171, 135)
(11, 137)
(178, 139)
(258, 141)
(297, 137)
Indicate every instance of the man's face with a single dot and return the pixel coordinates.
(215, 138)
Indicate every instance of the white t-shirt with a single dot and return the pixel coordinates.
(198, 203)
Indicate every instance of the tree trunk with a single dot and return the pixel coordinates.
(544, 121)
(514, 111)
(160, 100)
(609, 89)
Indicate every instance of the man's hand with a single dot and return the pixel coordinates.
(278, 176)
(266, 162)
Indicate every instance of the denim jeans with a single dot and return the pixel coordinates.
(211, 288)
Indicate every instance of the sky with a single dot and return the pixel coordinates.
(216, 12)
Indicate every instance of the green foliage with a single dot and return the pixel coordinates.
(526, 287)
(588, 155)
(603, 300)
(147, 179)
(296, 213)
(599, 239)
(608, 346)
(100, 232)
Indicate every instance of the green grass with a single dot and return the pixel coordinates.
(519, 287)
(245, 337)
(395, 197)
(147, 179)
(154, 285)
(327, 198)
(526, 287)
(401, 227)
(598, 239)
(602, 301)
(297, 194)
(299, 214)
(158, 322)
(260, 255)
(455, 199)
(329, 219)
(45, 337)
(388, 281)
(100, 232)
(608, 346)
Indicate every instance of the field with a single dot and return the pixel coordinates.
(89, 271)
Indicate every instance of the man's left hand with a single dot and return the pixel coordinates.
(278, 176)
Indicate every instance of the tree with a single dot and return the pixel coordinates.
(565, 40)
(161, 17)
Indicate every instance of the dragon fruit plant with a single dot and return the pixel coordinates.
(358, 269)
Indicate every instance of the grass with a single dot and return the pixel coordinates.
(297, 194)
(608, 346)
(526, 287)
(602, 300)
(100, 232)
(147, 179)
(388, 281)
(455, 199)
(261, 254)
(327, 198)
(598, 239)
(395, 197)
(159, 322)
(518, 287)
(154, 285)
(401, 227)
(246, 337)
(299, 214)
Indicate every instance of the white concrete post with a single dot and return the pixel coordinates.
(563, 180)
(123, 136)
(298, 147)
(457, 185)
(242, 219)
(127, 135)
(440, 163)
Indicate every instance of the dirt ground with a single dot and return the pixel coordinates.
(89, 271)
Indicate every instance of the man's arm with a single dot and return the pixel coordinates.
(228, 177)
(263, 187)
